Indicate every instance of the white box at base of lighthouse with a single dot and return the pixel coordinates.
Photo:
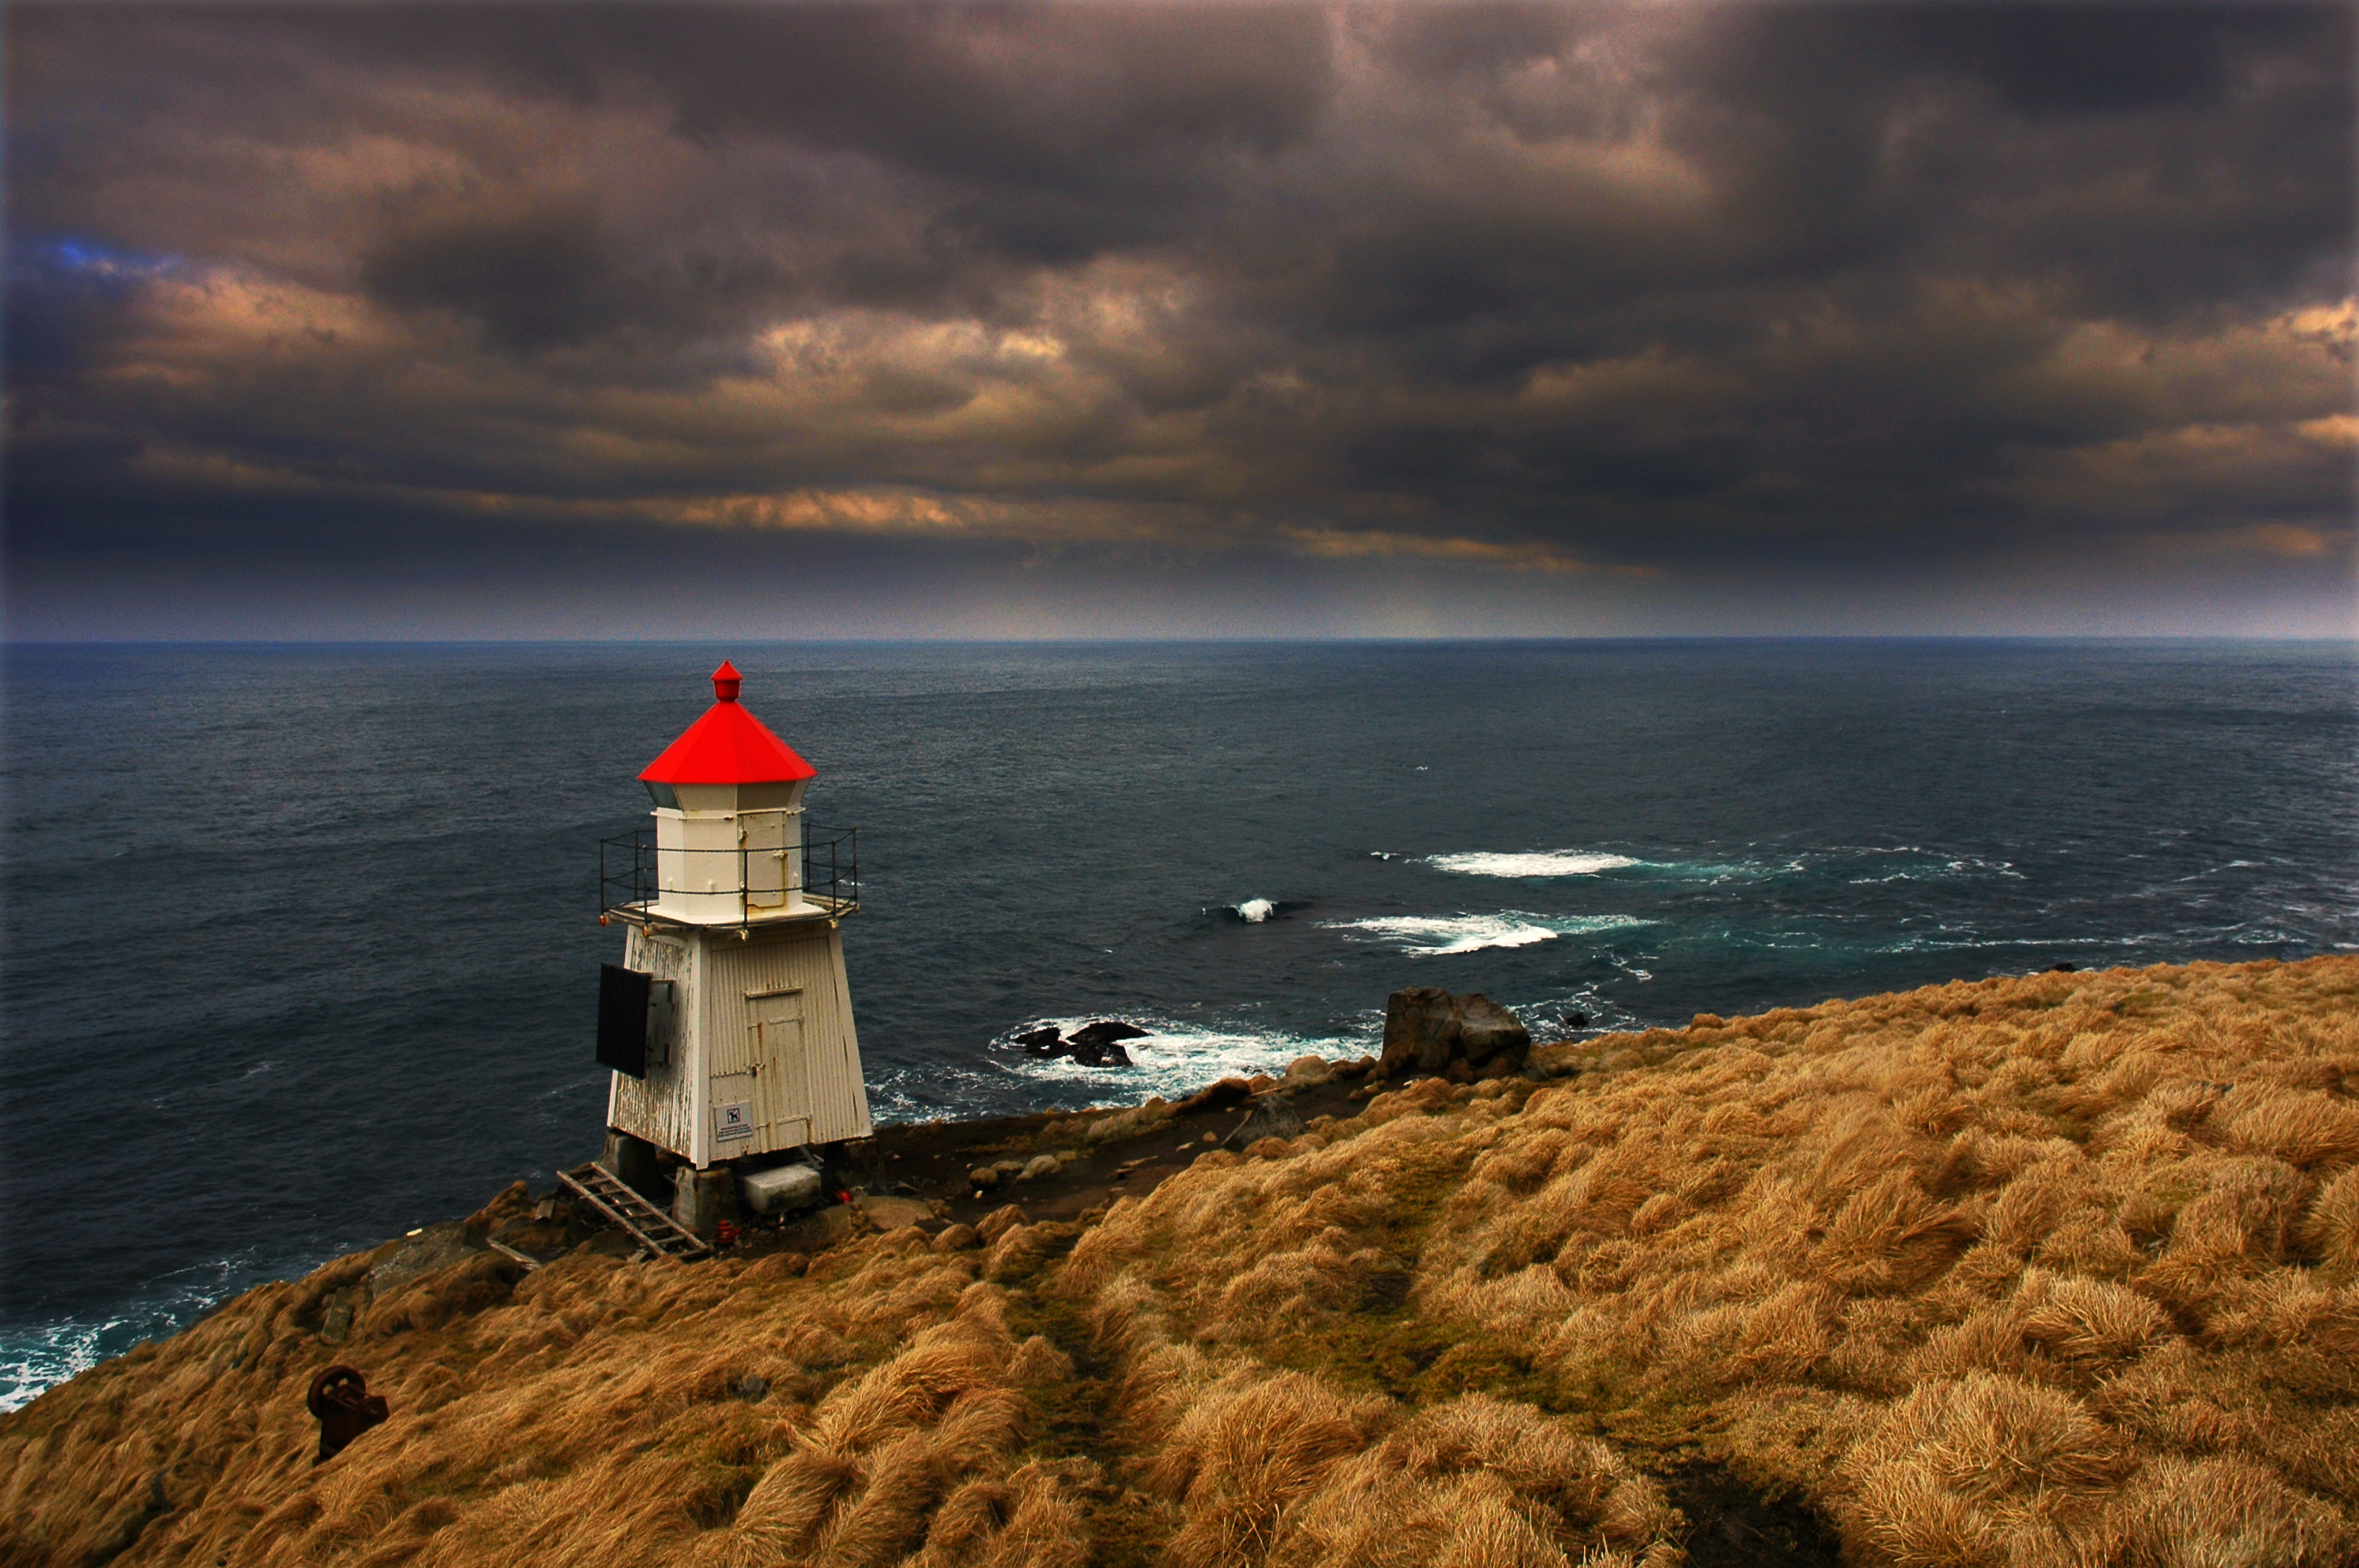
(728, 1023)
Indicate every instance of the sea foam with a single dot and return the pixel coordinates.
(1544, 863)
(1428, 935)
(1254, 911)
(36, 1356)
(1175, 1059)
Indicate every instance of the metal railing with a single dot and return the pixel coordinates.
(630, 880)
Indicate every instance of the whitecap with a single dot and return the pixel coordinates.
(1428, 936)
(1543, 863)
(1254, 911)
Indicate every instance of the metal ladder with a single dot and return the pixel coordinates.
(651, 1226)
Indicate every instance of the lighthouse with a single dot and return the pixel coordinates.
(728, 1023)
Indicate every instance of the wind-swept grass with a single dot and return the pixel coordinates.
(2060, 1270)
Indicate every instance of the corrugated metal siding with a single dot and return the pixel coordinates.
(854, 1106)
(660, 1108)
(810, 961)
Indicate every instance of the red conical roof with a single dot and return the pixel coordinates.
(727, 746)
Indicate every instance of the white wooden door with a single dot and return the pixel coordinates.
(781, 1081)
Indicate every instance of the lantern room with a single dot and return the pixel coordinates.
(728, 808)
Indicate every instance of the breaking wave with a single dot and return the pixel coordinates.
(1544, 863)
(1429, 936)
(1859, 865)
(35, 1357)
(1172, 1058)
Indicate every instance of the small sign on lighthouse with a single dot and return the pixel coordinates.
(728, 1023)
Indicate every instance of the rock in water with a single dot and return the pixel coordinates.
(1426, 1029)
(1094, 1045)
(1042, 1042)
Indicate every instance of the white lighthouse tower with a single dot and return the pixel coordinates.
(728, 1023)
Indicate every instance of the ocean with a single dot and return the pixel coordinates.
(301, 942)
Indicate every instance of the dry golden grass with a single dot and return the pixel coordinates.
(2059, 1270)
(2063, 1269)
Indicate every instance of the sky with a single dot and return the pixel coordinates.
(805, 320)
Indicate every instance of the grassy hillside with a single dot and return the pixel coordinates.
(2043, 1271)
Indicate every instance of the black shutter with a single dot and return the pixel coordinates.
(623, 1018)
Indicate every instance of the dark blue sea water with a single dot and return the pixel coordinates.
(301, 942)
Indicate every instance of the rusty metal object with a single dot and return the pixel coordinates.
(341, 1399)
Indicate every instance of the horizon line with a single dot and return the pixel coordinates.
(2349, 639)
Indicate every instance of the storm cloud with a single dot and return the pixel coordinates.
(1588, 301)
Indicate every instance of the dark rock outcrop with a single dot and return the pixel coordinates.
(1093, 1045)
(437, 1246)
(1099, 1044)
(1491, 1038)
(1427, 1030)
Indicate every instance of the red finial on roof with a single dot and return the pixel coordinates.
(726, 681)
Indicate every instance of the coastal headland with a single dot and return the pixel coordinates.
(2058, 1268)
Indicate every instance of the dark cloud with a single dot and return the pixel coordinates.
(529, 278)
(1645, 287)
(2091, 59)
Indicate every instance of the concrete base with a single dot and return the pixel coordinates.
(701, 1200)
(634, 1162)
